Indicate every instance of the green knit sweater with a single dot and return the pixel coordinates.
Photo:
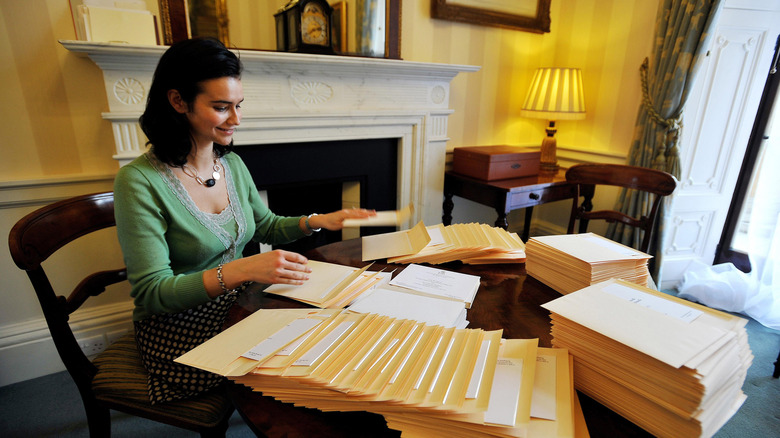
(168, 242)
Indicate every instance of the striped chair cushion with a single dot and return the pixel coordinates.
(122, 379)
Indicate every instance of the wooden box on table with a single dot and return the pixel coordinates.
(495, 162)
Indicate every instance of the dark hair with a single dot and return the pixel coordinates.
(183, 67)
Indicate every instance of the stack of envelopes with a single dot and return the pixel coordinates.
(459, 382)
(470, 243)
(672, 367)
(570, 262)
(331, 286)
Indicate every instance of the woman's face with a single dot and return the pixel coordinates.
(216, 111)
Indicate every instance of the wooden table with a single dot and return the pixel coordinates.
(506, 195)
(507, 299)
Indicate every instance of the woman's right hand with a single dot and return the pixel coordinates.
(273, 267)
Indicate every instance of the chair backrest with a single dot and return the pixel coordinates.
(588, 176)
(40, 234)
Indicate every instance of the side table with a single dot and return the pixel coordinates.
(506, 195)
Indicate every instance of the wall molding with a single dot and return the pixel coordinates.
(43, 191)
(82, 321)
(27, 350)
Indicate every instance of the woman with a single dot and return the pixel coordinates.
(186, 209)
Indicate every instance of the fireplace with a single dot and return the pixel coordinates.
(293, 99)
(311, 177)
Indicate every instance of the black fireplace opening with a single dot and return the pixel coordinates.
(304, 178)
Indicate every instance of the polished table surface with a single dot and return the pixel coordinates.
(507, 299)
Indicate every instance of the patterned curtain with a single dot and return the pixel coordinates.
(683, 30)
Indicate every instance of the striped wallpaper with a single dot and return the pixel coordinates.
(51, 124)
(607, 39)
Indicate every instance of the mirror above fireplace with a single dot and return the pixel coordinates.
(249, 24)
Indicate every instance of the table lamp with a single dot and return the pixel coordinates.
(555, 94)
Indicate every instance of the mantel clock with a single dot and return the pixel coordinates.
(304, 26)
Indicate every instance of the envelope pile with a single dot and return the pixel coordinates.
(421, 378)
(673, 367)
(471, 243)
(570, 262)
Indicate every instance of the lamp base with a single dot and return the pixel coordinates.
(548, 162)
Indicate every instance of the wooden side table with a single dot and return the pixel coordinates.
(509, 194)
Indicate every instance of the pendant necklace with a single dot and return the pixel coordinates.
(193, 173)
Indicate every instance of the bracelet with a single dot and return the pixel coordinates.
(306, 221)
(220, 280)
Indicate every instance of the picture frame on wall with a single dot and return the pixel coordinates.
(525, 15)
(340, 30)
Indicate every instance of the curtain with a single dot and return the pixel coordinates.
(756, 294)
(683, 30)
(763, 295)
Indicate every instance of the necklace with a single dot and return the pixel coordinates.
(193, 173)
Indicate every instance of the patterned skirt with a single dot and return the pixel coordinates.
(163, 338)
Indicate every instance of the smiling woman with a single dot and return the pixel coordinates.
(249, 24)
(182, 234)
(215, 112)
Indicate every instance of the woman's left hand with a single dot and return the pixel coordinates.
(335, 221)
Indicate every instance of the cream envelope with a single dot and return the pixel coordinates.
(326, 282)
(325, 350)
(374, 370)
(477, 393)
(383, 218)
(222, 353)
(398, 243)
(437, 282)
(404, 304)
(328, 333)
(409, 369)
(442, 372)
(365, 356)
(426, 374)
(651, 330)
(510, 395)
(397, 360)
(452, 372)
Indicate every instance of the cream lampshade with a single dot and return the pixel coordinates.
(555, 94)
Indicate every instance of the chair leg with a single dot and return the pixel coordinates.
(219, 431)
(98, 418)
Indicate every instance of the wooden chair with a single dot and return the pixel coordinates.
(115, 379)
(588, 176)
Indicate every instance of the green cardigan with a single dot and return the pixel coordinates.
(168, 242)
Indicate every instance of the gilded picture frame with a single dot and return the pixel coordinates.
(525, 15)
(340, 21)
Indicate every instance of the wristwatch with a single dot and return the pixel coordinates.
(306, 221)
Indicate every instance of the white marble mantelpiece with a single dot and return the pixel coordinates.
(291, 98)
